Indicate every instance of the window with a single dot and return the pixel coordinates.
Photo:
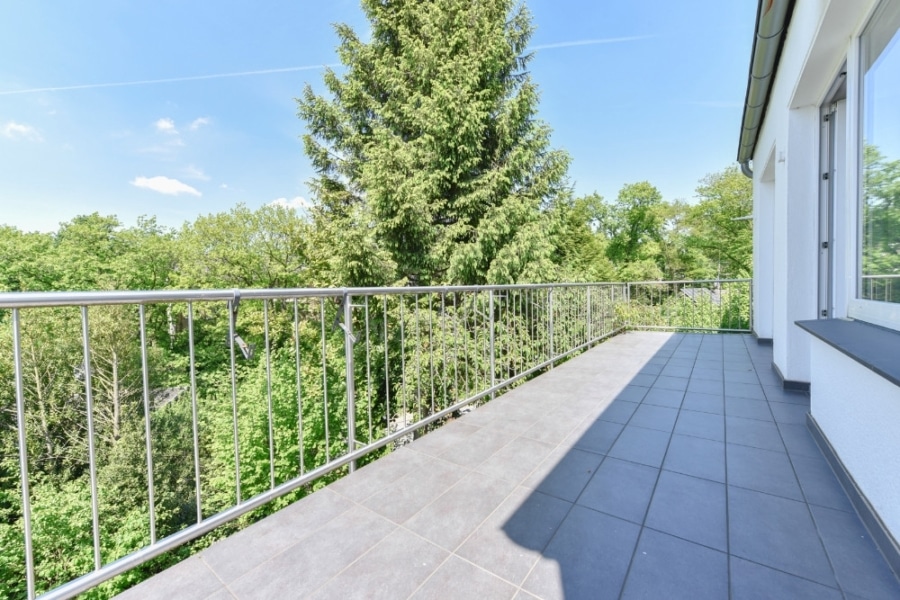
(879, 273)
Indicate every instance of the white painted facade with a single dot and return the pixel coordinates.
(857, 410)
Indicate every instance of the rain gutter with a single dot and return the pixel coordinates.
(772, 19)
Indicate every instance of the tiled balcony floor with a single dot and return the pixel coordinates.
(653, 466)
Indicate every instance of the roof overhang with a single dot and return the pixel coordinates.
(772, 19)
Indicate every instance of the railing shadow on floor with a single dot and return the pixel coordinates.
(686, 481)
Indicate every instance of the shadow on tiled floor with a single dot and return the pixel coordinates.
(653, 466)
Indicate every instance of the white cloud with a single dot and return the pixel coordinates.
(198, 123)
(165, 185)
(224, 186)
(192, 172)
(296, 203)
(20, 131)
(166, 125)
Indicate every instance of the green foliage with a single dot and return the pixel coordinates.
(429, 144)
(716, 224)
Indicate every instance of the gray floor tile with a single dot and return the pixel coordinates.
(748, 376)
(511, 540)
(671, 568)
(374, 574)
(644, 380)
(747, 409)
(705, 373)
(379, 474)
(663, 397)
(618, 412)
(564, 473)
(416, 490)
(752, 432)
(478, 447)
(599, 436)
(791, 414)
(667, 382)
(451, 434)
(633, 393)
(776, 532)
(799, 441)
(762, 470)
(661, 418)
(587, 558)
(690, 508)
(776, 393)
(700, 424)
(235, 555)
(516, 460)
(697, 457)
(750, 581)
(552, 429)
(652, 369)
(859, 566)
(620, 488)
(459, 511)
(644, 446)
(676, 371)
(819, 484)
(709, 363)
(706, 386)
(753, 391)
(190, 579)
(466, 582)
(305, 566)
(710, 403)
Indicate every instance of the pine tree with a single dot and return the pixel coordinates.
(428, 146)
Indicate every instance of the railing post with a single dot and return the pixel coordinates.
(349, 380)
(590, 327)
(493, 356)
(23, 454)
(628, 305)
(550, 308)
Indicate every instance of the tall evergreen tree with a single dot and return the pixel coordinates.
(429, 143)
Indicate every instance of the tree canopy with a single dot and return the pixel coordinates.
(430, 141)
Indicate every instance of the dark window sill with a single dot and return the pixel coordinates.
(873, 347)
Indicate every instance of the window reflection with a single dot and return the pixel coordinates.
(880, 239)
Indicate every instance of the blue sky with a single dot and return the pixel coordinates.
(181, 108)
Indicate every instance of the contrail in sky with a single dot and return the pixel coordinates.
(91, 86)
(615, 40)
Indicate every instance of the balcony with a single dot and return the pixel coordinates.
(653, 464)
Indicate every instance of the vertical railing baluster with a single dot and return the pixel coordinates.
(550, 330)
(23, 454)
(492, 334)
(145, 370)
(269, 394)
(418, 344)
(368, 372)
(350, 376)
(195, 424)
(387, 379)
(92, 451)
(431, 349)
(299, 388)
(444, 404)
(403, 361)
(324, 381)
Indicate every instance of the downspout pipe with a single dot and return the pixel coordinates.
(772, 19)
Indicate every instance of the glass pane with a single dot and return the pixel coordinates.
(880, 273)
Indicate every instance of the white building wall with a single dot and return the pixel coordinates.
(858, 411)
(763, 249)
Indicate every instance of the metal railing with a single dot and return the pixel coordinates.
(883, 288)
(720, 305)
(214, 403)
(173, 413)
